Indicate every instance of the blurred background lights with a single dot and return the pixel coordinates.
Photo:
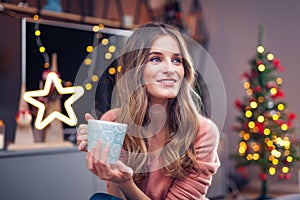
(273, 91)
(285, 170)
(253, 104)
(276, 153)
(89, 49)
(249, 92)
(272, 171)
(119, 68)
(108, 56)
(87, 61)
(46, 65)
(246, 136)
(101, 26)
(286, 153)
(275, 161)
(246, 85)
(249, 157)
(260, 119)
(243, 144)
(241, 133)
(242, 150)
(270, 104)
(289, 159)
(104, 41)
(36, 17)
(256, 147)
(42, 49)
(255, 156)
(275, 117)
(260, 49)
(37, 33)
(248, 113)
(260, 99)
(267, 131)
(284, 127)
(88, 86)
(95, 78)
(96, 28)
(287, 145)
(251, 124)
(112, 71)
(270, 56)
(112, 49)
(279, 81)
(261, 67)
(280, 106)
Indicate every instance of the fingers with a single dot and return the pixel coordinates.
(97, 150)
(90, 161)
(105, 153)
(82, 137)
(88, 116)
(82, 146)
(123, 168)
(97, 161)
(82, 134)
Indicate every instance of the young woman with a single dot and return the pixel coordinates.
(170, 149)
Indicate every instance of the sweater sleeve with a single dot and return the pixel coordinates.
(195, 186)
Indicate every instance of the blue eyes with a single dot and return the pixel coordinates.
(155, 59)
(158, 59)
(177, 60)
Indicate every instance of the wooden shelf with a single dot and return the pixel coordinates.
(62, 16)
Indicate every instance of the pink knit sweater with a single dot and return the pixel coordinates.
(159, 187)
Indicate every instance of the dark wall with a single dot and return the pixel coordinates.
(10, 71)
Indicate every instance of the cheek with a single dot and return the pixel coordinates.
(149, 74)
(181, 72)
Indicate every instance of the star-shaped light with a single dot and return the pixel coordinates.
(71, 119)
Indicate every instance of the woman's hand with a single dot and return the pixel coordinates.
(97, 162)
(82, 134)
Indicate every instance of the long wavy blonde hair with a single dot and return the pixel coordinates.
(178, 155)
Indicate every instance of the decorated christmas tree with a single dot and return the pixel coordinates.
(265, 125)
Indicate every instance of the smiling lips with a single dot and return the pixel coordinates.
(167, 82)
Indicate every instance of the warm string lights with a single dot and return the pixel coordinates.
(64, 87)
(108, 56)
(265, 122)
(41, 47)
(97, 29)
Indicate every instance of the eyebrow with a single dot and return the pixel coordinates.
(160, 53)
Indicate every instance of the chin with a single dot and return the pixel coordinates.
(167, 96)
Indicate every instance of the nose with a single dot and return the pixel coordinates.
(169, 67)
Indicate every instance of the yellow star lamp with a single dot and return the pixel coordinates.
(71, 119)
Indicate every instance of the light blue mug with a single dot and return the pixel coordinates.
(108, 132)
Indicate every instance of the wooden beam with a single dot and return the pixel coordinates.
(45, 14)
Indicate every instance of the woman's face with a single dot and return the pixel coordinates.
(164, 71)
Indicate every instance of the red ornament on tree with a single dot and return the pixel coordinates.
(238, 104)
(287, 176)
(281, 176)
(263, 176)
